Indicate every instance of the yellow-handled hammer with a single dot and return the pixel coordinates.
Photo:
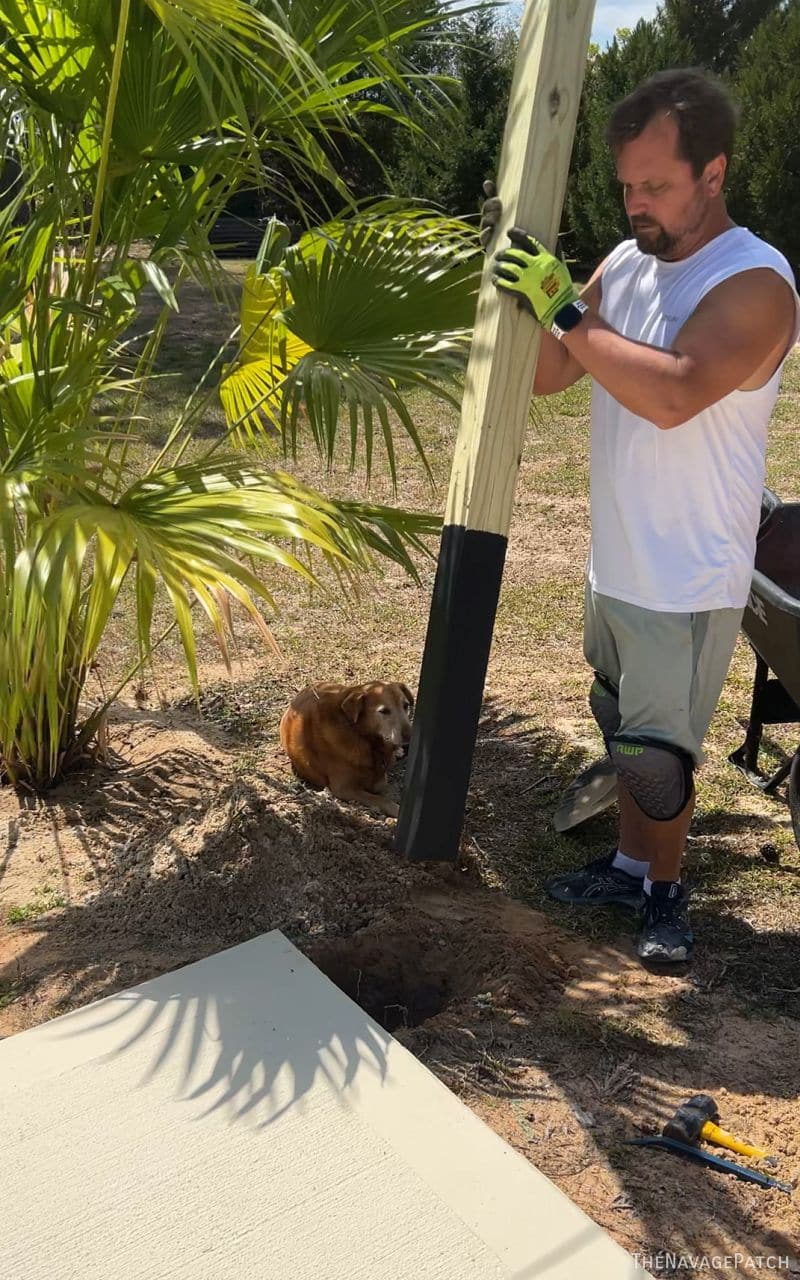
(696, 1119)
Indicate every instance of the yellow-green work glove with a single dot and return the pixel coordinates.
(534, 276)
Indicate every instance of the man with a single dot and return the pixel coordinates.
(684, 330)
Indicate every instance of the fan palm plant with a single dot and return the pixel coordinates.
(129, 123)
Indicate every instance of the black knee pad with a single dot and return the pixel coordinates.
(658, 776)
(604, 702)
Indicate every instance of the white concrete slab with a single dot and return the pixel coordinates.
(242, 1118)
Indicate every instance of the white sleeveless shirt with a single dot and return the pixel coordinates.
(675, 513)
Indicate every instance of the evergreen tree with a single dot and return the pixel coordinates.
(765, 182)
(595, 218)
(716, 29)
(448, 165)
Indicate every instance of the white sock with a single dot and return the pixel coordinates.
(623, 863)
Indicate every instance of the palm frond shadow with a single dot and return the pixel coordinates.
(254, 1075)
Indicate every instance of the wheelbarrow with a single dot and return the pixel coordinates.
(771, 623)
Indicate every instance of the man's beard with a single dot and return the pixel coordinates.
(652, 238)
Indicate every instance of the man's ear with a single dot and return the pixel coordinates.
(715, 174)
(353, 705)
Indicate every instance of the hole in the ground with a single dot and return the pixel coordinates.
(398, 980)
(406, 971)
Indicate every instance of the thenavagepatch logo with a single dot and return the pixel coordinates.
(691, 1263)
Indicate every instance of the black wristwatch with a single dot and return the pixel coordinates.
(567, 318)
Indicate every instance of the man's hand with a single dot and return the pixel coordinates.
(534, 276)
(491, 213)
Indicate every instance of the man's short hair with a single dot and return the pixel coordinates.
(700, 106)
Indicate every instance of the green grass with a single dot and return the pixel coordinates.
(783, 456)
(575, 402)
(9, 992)
(790, 381)
(549, 610)
(787, 410)
(44, 900)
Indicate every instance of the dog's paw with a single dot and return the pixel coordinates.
(391, 809)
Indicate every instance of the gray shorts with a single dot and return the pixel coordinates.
(669, 668)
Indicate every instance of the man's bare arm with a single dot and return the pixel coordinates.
(557, 368)
(727, 339)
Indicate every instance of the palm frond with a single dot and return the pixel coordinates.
(134, 121)
(192, 530)
(48, 57)
(374, 306)
(250, 391)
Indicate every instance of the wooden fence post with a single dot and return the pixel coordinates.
(532, 179)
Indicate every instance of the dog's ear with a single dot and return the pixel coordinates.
(353, 705)
(407, 692)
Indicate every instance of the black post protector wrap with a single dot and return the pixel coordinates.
(459, 638)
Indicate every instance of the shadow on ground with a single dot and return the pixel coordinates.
(490, 994)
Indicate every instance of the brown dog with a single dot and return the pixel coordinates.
(345, 737)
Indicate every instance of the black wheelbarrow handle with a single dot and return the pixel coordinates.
(763, 586)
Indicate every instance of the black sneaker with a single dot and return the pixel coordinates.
(596, 885)
(666, 936)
